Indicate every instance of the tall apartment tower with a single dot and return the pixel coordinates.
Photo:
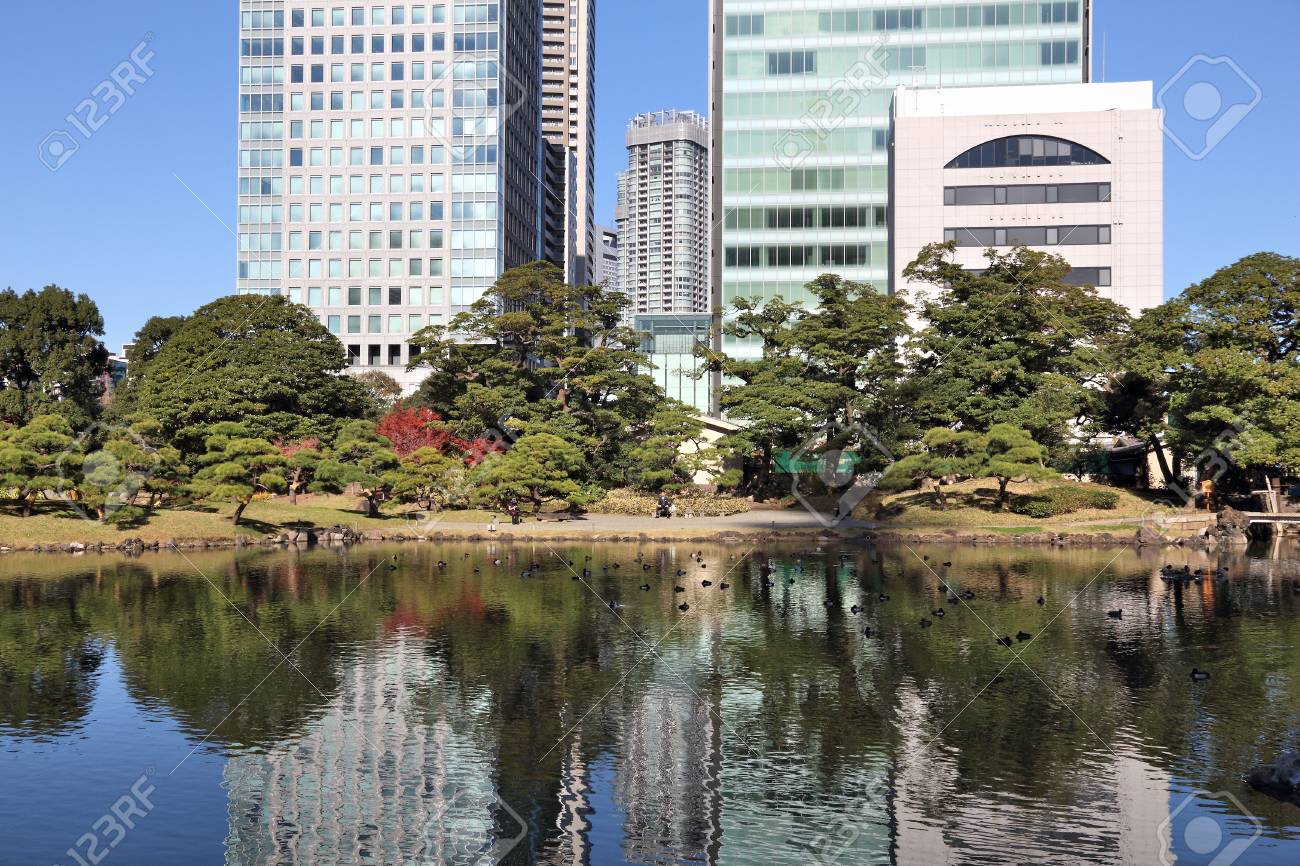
(389, 161)
(606, 261)
(802, 97)
(569, 128)
(664, 214)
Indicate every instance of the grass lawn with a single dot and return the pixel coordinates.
(54, 523)
(973, 505)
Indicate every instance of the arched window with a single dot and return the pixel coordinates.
(1026, 151)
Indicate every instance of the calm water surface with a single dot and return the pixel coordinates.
(347, 707)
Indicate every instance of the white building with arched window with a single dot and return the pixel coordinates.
(1072, 169)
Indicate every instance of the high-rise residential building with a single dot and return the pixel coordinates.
(1074, 168)
(802, 94)
(390, 161)
(605, 263)
(559, 208)
(664, 213)
(569, 128)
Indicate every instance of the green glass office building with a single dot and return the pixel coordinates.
(801, 96)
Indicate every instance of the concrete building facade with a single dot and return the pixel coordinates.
(663, 214)
(1072, 169)
(391, 161)
(569, 128)
(605, 263)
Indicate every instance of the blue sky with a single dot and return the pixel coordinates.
(117, 223)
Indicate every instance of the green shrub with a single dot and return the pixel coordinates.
(1055, 501)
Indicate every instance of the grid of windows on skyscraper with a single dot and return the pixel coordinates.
(387, 160)
(804, 111)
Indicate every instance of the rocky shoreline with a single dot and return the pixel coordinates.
(1227, 535)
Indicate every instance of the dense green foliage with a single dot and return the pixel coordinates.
(133, 466)
(540, 468)
(539, 354)
(1055, 501)
(51, 359)
(362, 458)
(260, 361)
(38, 457)
(537, 393)
(835, 376)
(1005, 453)
(1013, 344)
(236, 465)
(1234, 384)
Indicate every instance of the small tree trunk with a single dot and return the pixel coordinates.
(943, 497)
(764, 472)
(1003, 499)
(27, 506)
(293, 491)
(240, 505)
(1162, 459)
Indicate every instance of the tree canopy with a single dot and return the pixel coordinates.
(839, 367)
(536, 350)
(238, 466)
(51, 359)
(1222, 360)
(362, 457)
(262, 361)
(1013, 344)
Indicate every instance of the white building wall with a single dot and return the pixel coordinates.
(933, 127)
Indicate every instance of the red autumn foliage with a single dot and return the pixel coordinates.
(478, 450)
(288, 449)
(408, 430)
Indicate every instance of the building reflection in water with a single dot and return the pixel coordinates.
(1119, 802)
(689, 767)
(375, 779)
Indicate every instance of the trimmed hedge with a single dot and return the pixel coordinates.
(1055, 501)
(635, 504)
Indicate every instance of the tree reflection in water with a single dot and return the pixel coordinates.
(424, 713)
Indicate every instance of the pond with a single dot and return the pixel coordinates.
(538, 703)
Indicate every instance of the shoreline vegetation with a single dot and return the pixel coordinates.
(1005, 415)
(910, 518)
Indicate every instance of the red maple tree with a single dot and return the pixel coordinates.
(409, 430)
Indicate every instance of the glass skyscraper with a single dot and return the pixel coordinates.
(801, 96)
